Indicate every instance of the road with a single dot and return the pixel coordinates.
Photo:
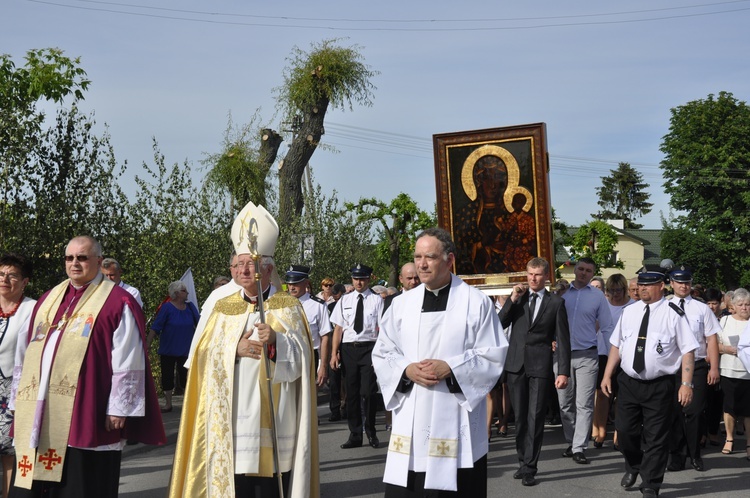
(358, 472)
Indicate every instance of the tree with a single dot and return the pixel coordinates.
(47, 75)
(327, 75)
(707, 172)
(405, 219)
(596, 240)
(243, 165)
(338, 240)
(699, 254)
(622, 196)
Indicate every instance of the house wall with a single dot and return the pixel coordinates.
(630, 252)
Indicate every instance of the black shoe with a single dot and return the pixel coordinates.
(697, 464)
(568, 453)
(649, 492)
(598, 444)
(628, 479)
(334, 417)
(528, 480)
(676, 464)
(351, 443)
(518, 474)
(374, 441)
(579, 457)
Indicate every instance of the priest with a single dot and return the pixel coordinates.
(439, 352)
(225, 445)
(83, 384)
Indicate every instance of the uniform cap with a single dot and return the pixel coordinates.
(361, 271)
(297, 273)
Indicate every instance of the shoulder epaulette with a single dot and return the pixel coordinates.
(317, 299)
(677, 309)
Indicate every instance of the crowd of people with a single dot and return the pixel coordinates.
(443, 359)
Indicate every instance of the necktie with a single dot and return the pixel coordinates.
(359, 316)
(532, 306)
(639, 360)
(682, 304)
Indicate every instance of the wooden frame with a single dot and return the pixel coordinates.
(493, 197)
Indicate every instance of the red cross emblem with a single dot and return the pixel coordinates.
(24, 466)
(50, 459)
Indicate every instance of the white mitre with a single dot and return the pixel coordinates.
(255, 231)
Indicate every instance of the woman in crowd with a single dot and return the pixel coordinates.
(175, 325)
(15, 311)
(735, 379)
(618, 297)
(715, 398)
(326, 295)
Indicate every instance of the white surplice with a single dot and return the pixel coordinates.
(435, 431)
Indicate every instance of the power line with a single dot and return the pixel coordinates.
(393, 29)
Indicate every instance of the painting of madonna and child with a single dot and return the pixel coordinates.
(493, 196)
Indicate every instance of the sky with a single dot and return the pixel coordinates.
(603, 76)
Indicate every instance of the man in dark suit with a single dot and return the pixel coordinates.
(538, 319)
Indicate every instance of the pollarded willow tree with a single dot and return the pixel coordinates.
(707, 172)
(622, 196)
(329, 75)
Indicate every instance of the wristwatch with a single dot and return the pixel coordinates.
(689, 384)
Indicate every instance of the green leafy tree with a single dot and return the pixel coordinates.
(399, 221)
(327, 75)
(242, 167)
(707, 172)
(327, 237)
(172, 226)
(596, 240)
(69, 186)
(683, 246)
(622, 196)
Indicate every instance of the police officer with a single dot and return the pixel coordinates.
(297, 279)
(356, 320)
(651, 342)
(690, 422)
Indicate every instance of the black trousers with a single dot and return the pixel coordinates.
(644, 413)
(360, 384)
(528, 396)
(168, 364)
(685, 434)
(260, 487)
(472, 483)
(86, 474)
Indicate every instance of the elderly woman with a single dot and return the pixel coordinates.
(175, 325)
(15, 311)
(735, 379)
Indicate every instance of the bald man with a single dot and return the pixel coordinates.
(408, 278)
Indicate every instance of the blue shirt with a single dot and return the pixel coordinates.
(586, 306)
(175, 328)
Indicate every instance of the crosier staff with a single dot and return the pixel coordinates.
(255, 254)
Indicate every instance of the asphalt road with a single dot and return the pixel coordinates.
(358, 472)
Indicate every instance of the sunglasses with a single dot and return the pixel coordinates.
(81, 258)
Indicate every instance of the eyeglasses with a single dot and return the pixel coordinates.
(243, 264)
(13, 277)
(616, 290)
(81, 258)
(327, 285)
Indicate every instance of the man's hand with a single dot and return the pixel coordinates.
(685, 395)
(335, 360)
(561, 382)
(518, 291)
(266, 334)
(322, 375)
(114, 423)
(249, 348)
(607, 386)
(427, 373)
